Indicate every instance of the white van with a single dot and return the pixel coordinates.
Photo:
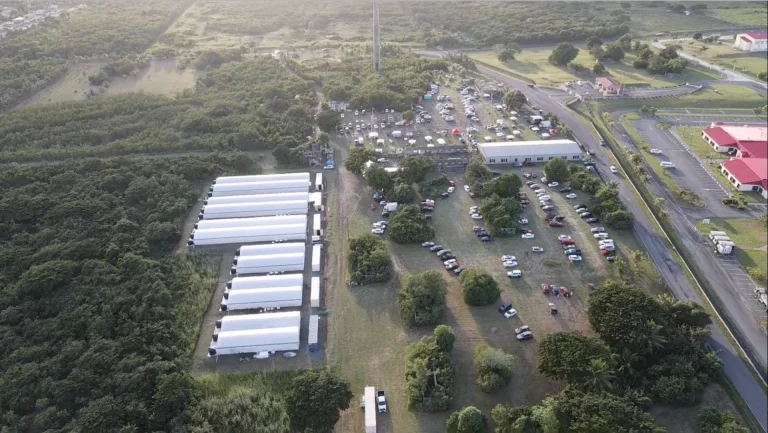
(614, 170)
(667, 164)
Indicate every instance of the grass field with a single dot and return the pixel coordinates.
(744, 16)
(533, 64)
(724, 55)
(719, 96)
(749, 235)
(652, 20)
(692, 137)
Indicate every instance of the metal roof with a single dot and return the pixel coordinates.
(529, 148)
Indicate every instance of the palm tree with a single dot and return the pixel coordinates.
(638, 256)
(626, 362)
(600, 376)
(653, 338)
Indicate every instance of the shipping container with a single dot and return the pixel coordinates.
(253, 188)
(243, 322)
(285, 262)
(316, 200)
(225, 223)
(316, 257)
(249, 210)
(255, 340)
(281, 248)
(258, 198)
(319, 185)
(314, 332)
(261, 177)
(317, 225)
(265, 281)
(256, 299)
(248, 235)
(314, 292)
(370, 409)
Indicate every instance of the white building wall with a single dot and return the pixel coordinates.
(244, 322)
(743, 187)
(255, 340)
(266, 281)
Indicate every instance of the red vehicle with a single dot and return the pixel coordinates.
(565, 292)
(544, 289)
(606, 252)
(555, 224)
(567, 242)
(373, 206)
(451, 183)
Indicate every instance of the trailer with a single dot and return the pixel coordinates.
(250, 210)
(265, 282)
(314, 332)
(243, 322)
(257, 198)
(317, 225)
(316, 257)
(263, 187)
(225, 223)
(248, 235)
(314, 292)
(304, 175)
(370, 409)
(724, 248)
(717, 233)
(319, 185)
(255, 341)
(718, 239)
(285, 262)
(262, 299)
(259, 250)
(316, 201)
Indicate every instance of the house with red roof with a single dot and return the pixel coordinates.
(753, 42)
(747, 170)
(608, 86)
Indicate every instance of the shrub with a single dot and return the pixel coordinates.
(494, 368)
(479, 287)
(421, 300)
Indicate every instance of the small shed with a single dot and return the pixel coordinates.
(428, 138)
(441, 142)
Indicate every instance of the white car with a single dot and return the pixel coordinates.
(614, 170)
(377, 231)
(451, 189)
(510, 313)
(357, 113)
(342, 115)
(540, 191)
(537, 249)
(523, 221)
(382, 160)
(476, 216)
(598, 229)
(449, 262)
(571, 196)
(667, 164)
(553, 184)
(509, 264)
(544, 198)
(528, 236)
(466, 188)
(574, 258)
(328, 167)
(474, 209)
(427, 244)
(515, 274)
(656, 151)
(564, 238)
(601, 235)
(508, 258)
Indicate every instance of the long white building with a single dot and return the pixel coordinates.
(261, 177)
(255, 340)
(250, 210)
(245, 235)
(265, 281)
(267, 249)
(255, 299)
(263, 187)
(285, 262)
(226, 223)
(243, 322)
(521, 152)
(258, 198)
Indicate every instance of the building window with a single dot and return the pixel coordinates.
(550, 158)
(527, 159)
(755, 188)
(492, 160)
(504, 159)
(515, 159)
(541, 158)
(576, 156)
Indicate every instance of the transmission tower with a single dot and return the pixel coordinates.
(376, 40)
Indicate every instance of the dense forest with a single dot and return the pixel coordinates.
(94, 313)
(255, 104)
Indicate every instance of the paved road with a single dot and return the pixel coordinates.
(735, 369)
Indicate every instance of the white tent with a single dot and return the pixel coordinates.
(441, 142)
(242, 322)
(275, 298)
(411, 142)
(265, 282)
(253, 188)
(266, 249)
(373, 135)
(225, 223)
(314, 292)
(249, 210)
(262, 177)
(428, 138)
(247, 235)
(255, 340)
(282, 262)
(257, 198)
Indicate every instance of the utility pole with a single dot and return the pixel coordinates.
(376, 38)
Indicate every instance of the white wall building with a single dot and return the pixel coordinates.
(226, 223)
(316, 257)
(511, 152)
(244, 322)
(314, 293)
(262, 177)
(753, 42)
(247, 235)
(251, 210)
(267, 249)
(255, 340)
(265, 282)
(261, 187)
(284, 262)
(257, 299)
(258, 198)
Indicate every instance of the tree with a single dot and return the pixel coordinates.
(328, 121)
(557, 170)
(762, 75)
(378, 178)
(711, 420)
(566, 356)
(421, 300)
(479, 287)
(670, 52)
(444, 338)
(619, 219)
(514, 100)
(506, 55)
(315, 400)
(615, 52)
(645, 54)
(600, 376)
(625, 42)
(494, 368)
(593, 41)
(357, 158)
(246, 411)
(408, 116)
(598, 68)
(644, 109)
(414, 169)
(563, 54)
(400, 193)
(368, 259)
(697, 36)
(640, 63)
(409, 226)
(506, 185)
(501, 214)
(430, 376)
(636, 46)
(467, 420)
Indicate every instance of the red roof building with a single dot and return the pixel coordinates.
(752, 42)
(608, 85)
(748, 169)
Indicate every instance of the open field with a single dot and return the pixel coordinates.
(692, 137)
(533, 64)
(724, 55)
(652, 20)
(749, 235)
(719, 96)
(161, 77)
(743, 16)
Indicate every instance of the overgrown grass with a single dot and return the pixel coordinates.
(719, 96)
(744, 16)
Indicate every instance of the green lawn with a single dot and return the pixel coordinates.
(748, 234)
(744, 16)
(692, 137)
(718, 96)
(724, 55)
(533, 64)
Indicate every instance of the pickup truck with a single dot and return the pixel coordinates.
(381, 401)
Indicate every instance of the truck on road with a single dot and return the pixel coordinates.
(381, 401)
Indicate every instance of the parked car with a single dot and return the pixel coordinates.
(571, 196)
(523, 221)
(554, 223)
(527, 335)
(614, 170)
(572, 252)
(504, 308)
(558, 217)
(458, 270)
(544, 288)
(574, 258)
(466, 188)
(585, 214)
(451, 189)
(486, 239)
(476, 216)
(510, 313)
(667, 164)
(434, 248)
(552, 308)
(427, 244)
(537, 249)
(449, 261)
(441, 252)
(563, 237)
(515, 274)
(444, 195)
(656, 151)
(522, 329)
(477, 229)
(508, 258)
(566, 189)
(601, 235)
(509, 264)
(377, 231)
(592, 220)
(553, 184)
(528, 236)
(547, 207)
(385, 214)
(597, 229)
(580, 205)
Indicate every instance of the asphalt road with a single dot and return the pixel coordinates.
(736, 370)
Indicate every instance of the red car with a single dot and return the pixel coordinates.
(567, 242)
(565, 292)
(544, 289)
(373, 206)
(555, 224)
(451, 183)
